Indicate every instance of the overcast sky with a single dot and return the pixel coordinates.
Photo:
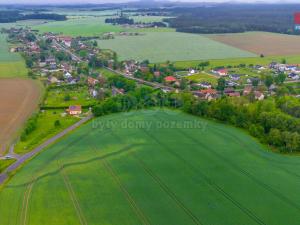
(115, 1)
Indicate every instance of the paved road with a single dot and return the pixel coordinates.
(24, 158)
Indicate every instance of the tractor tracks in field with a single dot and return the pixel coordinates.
(245, 173)
(168, 191)
(25, 203)
(139, 213)
(210, 182)
(73, 197)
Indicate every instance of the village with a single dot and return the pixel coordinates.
(60, 61)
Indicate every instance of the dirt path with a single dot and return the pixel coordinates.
(18, 100)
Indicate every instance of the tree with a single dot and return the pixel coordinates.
(57, 123)
(221, 84)
(67, 98)
(204, 64)
(268, 81)
(280, 78)
(283, 61)
(275, 137)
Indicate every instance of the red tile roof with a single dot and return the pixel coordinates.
(170, 79)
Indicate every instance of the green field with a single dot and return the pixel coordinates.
(130, 173)
(203, 77)
(173, 46)
(79, 26)
(11, 64)
(292, 59)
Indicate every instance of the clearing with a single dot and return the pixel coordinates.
(18, 98)
(265, 43)
(173, 46)
(154, 167)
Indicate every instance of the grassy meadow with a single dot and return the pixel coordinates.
(11, 64)
(173, 46)
(131, 169)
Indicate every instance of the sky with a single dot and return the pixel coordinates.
(116, 1)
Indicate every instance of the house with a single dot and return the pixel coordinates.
(156, 73)
(74, 110)
(293, 76)
(53, 80)
(204, 84)
(235, 77)
(170, 79)
(92, 81)
(67, 75)
(144, 68)
(221, 72)
(66, 67)
(247, 90)
(234, 94)
(229, 90)
(259, 95)
(192, 71)
(66, 40)
(207, 94)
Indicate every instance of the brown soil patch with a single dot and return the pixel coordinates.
(268, 44)
(18, 99)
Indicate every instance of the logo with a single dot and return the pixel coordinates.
(297, 21)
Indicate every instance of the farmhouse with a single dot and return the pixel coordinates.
(170, 79)
(66, 40)
(221, 72)
(92, 81)
(259, 96)
(74, 110)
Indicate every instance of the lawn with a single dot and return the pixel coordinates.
(173, 46)
(79, 26)
(154, 167)
(203, 77)
(65, 96)
(45, 129)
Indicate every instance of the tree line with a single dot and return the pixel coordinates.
(13, 16)
(264, 120)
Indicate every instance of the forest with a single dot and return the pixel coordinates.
(234, 18)
(13, 16)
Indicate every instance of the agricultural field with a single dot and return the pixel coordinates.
(68, 95)
(130, 169)
(265, 43)
(19, 98)
(173, 46)
(11, 64)
(79, 26)
(45, 129)
(292, 59)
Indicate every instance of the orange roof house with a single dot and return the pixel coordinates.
(170, 79)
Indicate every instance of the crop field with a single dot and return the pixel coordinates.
(18, 98)
(173, 46)
(154, 167)
(79, 26)
(11, 64)
(262, 43)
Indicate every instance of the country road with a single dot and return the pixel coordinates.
(21, 160)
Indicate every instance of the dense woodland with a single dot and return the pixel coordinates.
(13, 16)
(234, 18)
